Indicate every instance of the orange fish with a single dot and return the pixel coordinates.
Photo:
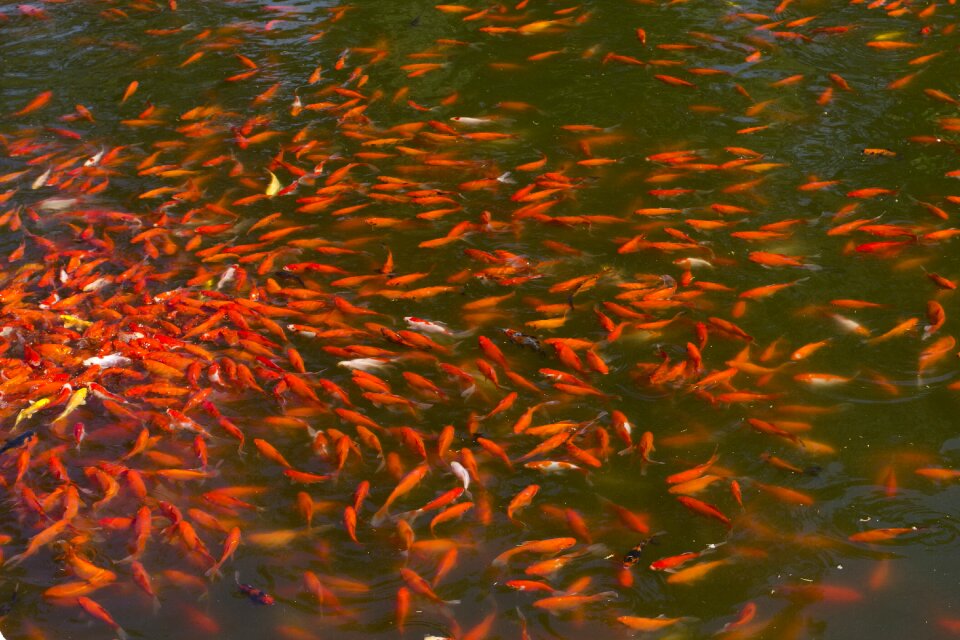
(704, 509)
(881, 535)
(40, 101)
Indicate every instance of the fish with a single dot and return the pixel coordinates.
(18, 441)
(522, 500)
(404, 486)
(41, 100)
(633, 556)
(881, 535)
(705, 509)
(255, 595)
(25, 413)
(639, 623)
(551, 545)
(188, 269)
(573, 601)
(421, 587)
(695, 572)
(229, 548)
(77, 399)
(96, 610)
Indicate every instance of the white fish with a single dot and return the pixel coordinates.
(693, 263)
(433, 326)
(428, 326)
(365, 364)
(553, 466)
(94, 160)
(850, 325)
(303, 331)
(109, 360)
(57, 204)
(228, 276)
(42, 179)
(95, 285)
(461, 472)
(472, 122)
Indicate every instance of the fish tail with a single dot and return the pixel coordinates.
(14, 560)
(409, 516)
(380, 516)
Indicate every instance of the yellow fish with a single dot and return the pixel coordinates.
(74, 322)
(890, 35)
(274, 187)
(77, 399)
(29, 411)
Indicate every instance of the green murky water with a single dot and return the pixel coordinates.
(576, 85)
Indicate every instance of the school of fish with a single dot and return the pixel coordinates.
(333, 339)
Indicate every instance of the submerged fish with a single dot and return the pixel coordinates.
(254, 256)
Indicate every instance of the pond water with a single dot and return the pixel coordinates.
(535, 319)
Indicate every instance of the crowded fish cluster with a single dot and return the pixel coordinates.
(353, 346)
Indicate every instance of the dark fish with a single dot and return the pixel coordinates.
(19, 441)
(256, 595)
(632, 557)
(523, 340)
(8, 606)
